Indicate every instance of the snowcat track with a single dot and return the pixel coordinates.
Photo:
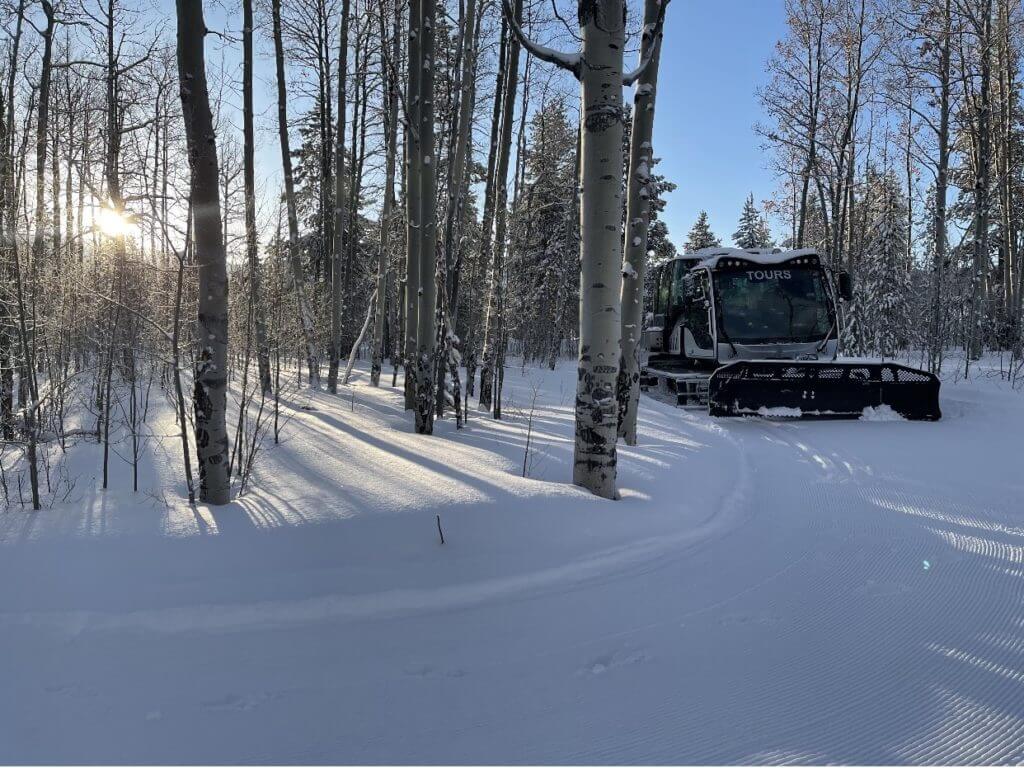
(838, 390)
(684, 388)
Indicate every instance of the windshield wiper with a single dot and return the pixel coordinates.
(721, 329)
(828, 335)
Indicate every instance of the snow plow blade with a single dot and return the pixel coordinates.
(833, 389)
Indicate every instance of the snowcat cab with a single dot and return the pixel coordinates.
(756, 332)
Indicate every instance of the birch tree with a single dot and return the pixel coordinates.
(598, 67)
(638, 219)
(427, 298)
(249, 173)
(413, 209)
(294, 257)
(210, 396)
(338, 246)
(496, 251)
(387, 210)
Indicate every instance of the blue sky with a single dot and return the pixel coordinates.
(713, 60)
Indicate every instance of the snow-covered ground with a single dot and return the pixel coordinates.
(765, 591)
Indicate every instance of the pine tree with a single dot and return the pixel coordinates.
(701, 235)
(543, 280)
(879, 320)
(753, 229)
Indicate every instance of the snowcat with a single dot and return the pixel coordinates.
(755, 332)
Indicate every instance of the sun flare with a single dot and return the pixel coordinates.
(115, 224)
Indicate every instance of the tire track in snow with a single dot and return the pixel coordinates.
(884, 659)
(630, 560)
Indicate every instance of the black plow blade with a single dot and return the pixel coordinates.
(834, 389)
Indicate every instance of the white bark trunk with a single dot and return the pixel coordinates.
(338, 246)
(638, 219)
(594, 464)
(425, 324)
(295, 258)
(388, 207)
(210, 399)
(412, 204)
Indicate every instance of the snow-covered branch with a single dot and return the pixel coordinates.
(652, 33)
(569, 61)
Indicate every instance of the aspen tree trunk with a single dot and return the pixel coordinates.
(16, 311)
(594, 462)
(8, 242)
(815, 68)
(979, 267)
(389, 201)
(298, 278)
(210, 397)
(458, 180)
(427, 305)
(357, 144)
(179, 394)
(501, 229)
(248, 160)
(325, 219)
(338, 246)
(42, 133)
(1008, 111)
(638, 219)
(412, 202)
(941, 185)
(488, 218)
(492, 322)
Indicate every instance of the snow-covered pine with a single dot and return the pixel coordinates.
(700, 235)
(752, 231)
(880, 320)
(543, 274)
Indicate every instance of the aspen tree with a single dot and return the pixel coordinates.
(598, 67)
(391, 116)
(210, 396)
(295, 258)
(251, 239)
(427, 299)
(496, 288)
(412, 202)
(638, 219)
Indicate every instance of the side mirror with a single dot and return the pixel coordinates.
(845, 286)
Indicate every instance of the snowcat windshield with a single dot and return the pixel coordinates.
(765, 305)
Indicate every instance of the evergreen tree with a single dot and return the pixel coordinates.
(880, 315)
(701, 235)
(753, 229)
(543, 275)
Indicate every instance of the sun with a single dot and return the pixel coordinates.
(115, 224)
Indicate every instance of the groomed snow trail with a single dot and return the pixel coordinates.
(765, 591)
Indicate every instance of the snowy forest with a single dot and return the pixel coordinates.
(432, 211)
(363, 401)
